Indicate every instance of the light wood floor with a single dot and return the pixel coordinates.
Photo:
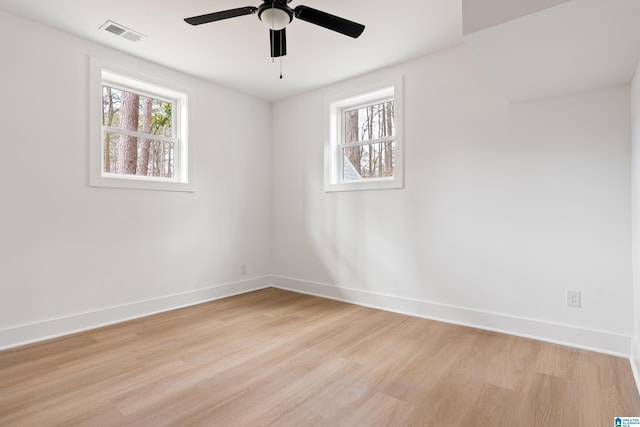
(278, 358)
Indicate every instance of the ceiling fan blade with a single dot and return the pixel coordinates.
(218, 16)
(278, 40)
(331, 22)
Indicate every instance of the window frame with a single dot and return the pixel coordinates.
(140, 82)
(335, 106)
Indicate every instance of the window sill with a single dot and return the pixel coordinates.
(369, 184)
(140, 184)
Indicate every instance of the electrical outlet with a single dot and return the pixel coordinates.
(243, 269)
(574, 298)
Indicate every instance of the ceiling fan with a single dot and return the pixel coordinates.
(276, 15)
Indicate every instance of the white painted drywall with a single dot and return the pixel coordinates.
(635, 217)
(481, 14)
(67, 248)
(505, 207)
(575, 46)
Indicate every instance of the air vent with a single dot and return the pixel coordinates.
(115, 30)
(122, 31)
(131, 36)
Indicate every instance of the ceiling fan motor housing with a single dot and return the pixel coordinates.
(275, 14)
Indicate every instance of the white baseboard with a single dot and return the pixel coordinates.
(635, 361)
(588, 339)
(594, 340)
(40, 331)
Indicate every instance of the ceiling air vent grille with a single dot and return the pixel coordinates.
(131, 36)
(122, 31)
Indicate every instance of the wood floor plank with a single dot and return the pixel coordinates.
(273, 357)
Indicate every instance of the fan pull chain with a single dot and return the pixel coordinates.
(272, 18)
(281, 68)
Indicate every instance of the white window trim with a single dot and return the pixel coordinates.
(155, 86)
(335, 104)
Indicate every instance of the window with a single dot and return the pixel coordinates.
(363, 148)
(140, 140)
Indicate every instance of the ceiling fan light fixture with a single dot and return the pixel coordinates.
(275, 18)
(276, 15)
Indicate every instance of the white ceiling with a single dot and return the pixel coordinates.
(532, 48)
(235, 52)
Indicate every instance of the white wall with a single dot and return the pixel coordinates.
(73, 256)
(635, 210)
(505, 208)
(478, 15)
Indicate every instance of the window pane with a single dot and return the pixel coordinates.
(129, 155)
(367, 123)
(368, 161)
(127, 110)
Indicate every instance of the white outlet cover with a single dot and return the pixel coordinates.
(574, 298)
